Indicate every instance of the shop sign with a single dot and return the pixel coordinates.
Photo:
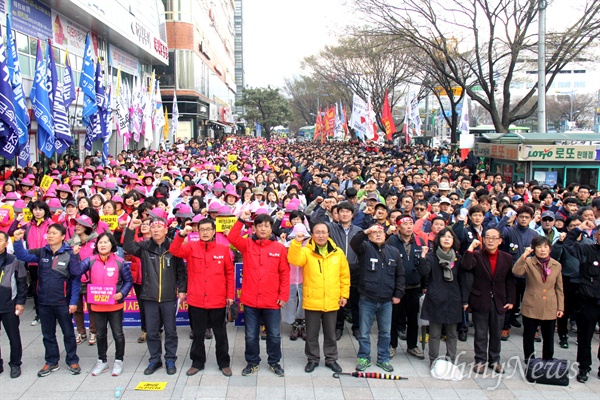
(32, 18)
(69, 35)
(501, 151)
(556, 153)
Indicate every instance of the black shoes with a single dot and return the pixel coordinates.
(310, 367)
(564, 342)
(152, 367)
(15, 372)
(250, 369)
(208, 335)
(402, 334)
(582, 377)
(171, 369)
(515, 322)
(277, 370)
(462, 336)
(338, 334)
(334, 366)
(355, 333)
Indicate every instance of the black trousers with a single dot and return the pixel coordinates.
(314, 320)
(588, 316)
(512, 314)
(33, 280)
(200, 319)
(115, 318)
(488, 327)
(547, 327)
(410, 307)
(352, 304)
(10, 322)
(138, 290)
(157, 313)
(571, 300)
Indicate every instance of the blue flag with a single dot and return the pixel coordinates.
(87, 83)
(69, 85)
(97, 129)
(9, 133)
(62, 134)
(41, 105)
(14, 70)
(106, 138)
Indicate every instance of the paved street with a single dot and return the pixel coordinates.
(210, 384)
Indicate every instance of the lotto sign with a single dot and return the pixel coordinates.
(225, 223)
(111, 220)
(46, 182)
(100, 294)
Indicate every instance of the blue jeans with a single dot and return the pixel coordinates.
(253, 318)
(368, 311)
(49, 315)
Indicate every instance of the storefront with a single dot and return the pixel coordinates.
(503, 159)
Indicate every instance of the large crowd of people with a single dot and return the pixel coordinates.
(329, 234)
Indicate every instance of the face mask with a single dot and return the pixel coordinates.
(88, 182)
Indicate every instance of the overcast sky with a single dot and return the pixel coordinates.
(278, 34)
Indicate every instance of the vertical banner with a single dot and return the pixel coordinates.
(238, 293)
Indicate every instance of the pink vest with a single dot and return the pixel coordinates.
(105, 274)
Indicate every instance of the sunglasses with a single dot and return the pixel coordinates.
(419, 209)
(547, 219)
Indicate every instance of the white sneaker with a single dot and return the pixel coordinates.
(117, 368)
(100, 367)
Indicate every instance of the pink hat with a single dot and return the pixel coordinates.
(184, 211)
(159, 213)
(26, 182)
(88, 176)
(75, 182)
(11, 196)
(198, 218)
(86, 221)
(19, 206)
(111, 186)
(298, 228)
(261, 210)
(30, 194)
(225, 211)
(64, 188)
(293, 205)
(232, 193)
(117, 199)
(55, 204)
(218, 187)
(214, 206)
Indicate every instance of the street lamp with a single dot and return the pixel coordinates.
(571, 95)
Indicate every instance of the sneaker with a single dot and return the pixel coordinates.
(295, 332)
(92, 339)
(47, 369)
(426, 338)
(392, 352)
(363, 364)
(250, 369)
(505, 334)
(74, 369)
(171, 369)
(563, 342)
(142, 338)
(386, 366)
(117, 368)
(35, 322)
(263, 332)
(208, 335)
(597, 329)
(277, 370)
(79, 338)
(100, 367)
(416, 352)
(152, 367)
(582, 377)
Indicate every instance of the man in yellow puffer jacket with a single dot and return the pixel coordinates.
(325, 289)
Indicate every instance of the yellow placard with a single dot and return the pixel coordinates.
(232, 157)
(217, 168)
(27, 215)
(151, 386)
(225, 223)
(111, 220)
(233, 167)
(46, 182)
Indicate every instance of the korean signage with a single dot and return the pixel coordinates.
(556, 153)
(32, 18)
(69, 35)
(119, 58)
(502, 151)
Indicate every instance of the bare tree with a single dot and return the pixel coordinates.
(490, 37)
(578, 108)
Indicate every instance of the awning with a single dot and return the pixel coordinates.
(226, 128)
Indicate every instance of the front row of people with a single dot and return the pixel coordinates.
(482, 279)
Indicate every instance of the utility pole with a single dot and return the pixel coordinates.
(542, 4)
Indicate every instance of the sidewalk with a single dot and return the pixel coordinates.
(296, 384)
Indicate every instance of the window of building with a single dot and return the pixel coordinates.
(563, 85)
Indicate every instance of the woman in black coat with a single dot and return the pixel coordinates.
(447, 292)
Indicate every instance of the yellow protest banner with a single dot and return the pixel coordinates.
(232, 157)
(151, 386)
(46, 182)
(27, 215)
(233, 167)
(225, 223)
(111, 220)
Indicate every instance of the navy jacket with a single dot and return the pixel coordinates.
(515, 239)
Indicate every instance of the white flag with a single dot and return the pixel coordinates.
(358, 119)
(175, 118)
(463, 125)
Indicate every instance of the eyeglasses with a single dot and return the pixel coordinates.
(491, 239)
(205, 230)
(419, 209)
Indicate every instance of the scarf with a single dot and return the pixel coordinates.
(545, 270)
(446, 261)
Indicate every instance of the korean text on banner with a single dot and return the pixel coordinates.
(225, 223)
(100, 294)
(111, 220)
(46, 182)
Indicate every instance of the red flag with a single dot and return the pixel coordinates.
(387, 119)
(375, 135)
(318, 126)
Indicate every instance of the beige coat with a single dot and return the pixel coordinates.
(541, 300)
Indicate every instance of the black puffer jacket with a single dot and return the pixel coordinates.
(382, 273)
(589, 264)
(163, 274)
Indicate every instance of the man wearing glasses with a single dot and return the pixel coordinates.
(492, 295)
(210, 290)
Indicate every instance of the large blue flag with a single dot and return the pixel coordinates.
(41, 105)
(86, 82)
(97, 128)
(69, 85)
(62, 135)
(9, 133)
(14, 70)
(106, 119)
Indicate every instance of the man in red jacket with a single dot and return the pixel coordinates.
(265, 288)
(210, 289)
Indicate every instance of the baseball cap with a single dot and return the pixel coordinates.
(516, 197)
(444, 200)
(372, 196)
(548, 214)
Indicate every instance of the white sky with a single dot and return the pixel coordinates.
(278, 34)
